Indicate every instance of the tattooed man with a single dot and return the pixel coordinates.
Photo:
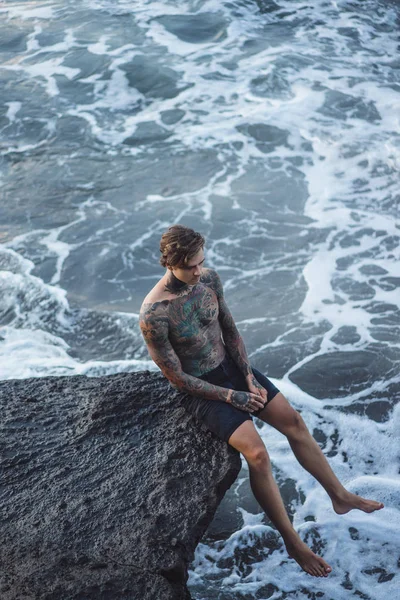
(192, 337)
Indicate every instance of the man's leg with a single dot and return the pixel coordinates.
(247, 441)
(281, 415)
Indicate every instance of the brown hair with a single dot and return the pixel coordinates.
(179, 244)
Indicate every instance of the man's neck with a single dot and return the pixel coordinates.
(173, 285)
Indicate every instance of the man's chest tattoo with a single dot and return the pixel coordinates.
(190, 316)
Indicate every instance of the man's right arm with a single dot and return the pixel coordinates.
(154, 326)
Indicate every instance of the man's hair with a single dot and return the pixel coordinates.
(178, 245)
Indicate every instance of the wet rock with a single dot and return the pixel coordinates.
(170, 117)
(201, 28)
(152, 79)
(268, 137)
(147, 133)
(107, 487)
(343, 106)
(344, 373)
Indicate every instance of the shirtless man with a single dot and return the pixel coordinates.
(192, 337)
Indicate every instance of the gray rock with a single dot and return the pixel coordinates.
(108, 484)
(200, 28)
(268, 137)
(344, 106)
(147, 133)
(152, 79)
(344, 373)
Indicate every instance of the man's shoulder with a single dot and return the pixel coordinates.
(211, 279)
(154, 305)
(153, 320)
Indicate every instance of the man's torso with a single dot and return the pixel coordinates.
(193, 327)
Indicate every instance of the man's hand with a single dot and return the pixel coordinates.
(256, 388)
(245, 400)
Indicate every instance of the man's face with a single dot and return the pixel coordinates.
(191, 272)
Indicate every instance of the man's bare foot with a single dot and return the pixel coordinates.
(309, 562)
(350, 501)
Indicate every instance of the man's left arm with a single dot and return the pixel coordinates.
(232, 338)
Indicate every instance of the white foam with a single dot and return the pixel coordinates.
(100, 47)
(47, 69)
(13, 108)
(20, 10)
(32, 43)
(28, 353)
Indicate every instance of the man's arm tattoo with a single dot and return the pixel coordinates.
(232, 338)
(241, 400)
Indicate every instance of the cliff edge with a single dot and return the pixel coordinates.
(107, 485)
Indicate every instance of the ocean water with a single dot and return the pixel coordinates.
(273, 127)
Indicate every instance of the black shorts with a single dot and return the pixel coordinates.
(221, 417)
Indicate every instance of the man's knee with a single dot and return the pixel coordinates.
(257, 457)
(294, 427)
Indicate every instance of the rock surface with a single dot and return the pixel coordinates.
(107, 486)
